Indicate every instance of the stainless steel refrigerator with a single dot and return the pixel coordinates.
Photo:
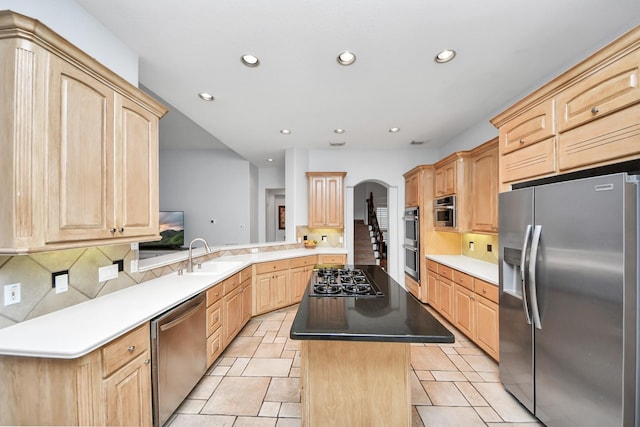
(568, 300)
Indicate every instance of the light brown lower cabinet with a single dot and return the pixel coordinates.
(109, 386)
(412, 286)
(365, 369)
(332, 259)
(469, 303)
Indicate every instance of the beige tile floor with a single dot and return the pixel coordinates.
(256, 383)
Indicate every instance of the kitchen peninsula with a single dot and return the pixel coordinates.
(355, 349)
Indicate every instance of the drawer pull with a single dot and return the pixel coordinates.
(215, 319)
(131, 348)
(522, 141)
(484, 291)
(147, 361)
(595, 110)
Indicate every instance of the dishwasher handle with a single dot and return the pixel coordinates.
(187, 311)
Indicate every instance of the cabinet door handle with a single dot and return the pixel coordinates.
(146, 361)
(595, 110)
(112, 230)
(121, 230)
(131, 348)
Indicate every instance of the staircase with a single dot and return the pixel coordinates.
(369, 247)
(363, 253)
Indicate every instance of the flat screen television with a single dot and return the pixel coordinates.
(171, 230)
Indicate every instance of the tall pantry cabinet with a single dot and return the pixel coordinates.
(79, 163)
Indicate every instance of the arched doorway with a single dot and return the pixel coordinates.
(370, 232)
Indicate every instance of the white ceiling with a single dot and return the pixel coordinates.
(506, 48)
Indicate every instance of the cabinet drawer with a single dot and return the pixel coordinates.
(214, 317)
(124, 349)
(486, 290)
(230, 283)
(610, 89)
(412, 286)
(532, 126)
(603, 141)
(214, 346)
(534, 160)
(303, 261)
(214, 294)
(463, 279)
(445, 271)
(268, 267)
(331, 259)
(245, 275)
(432, 265)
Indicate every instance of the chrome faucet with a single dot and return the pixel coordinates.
(190, 262)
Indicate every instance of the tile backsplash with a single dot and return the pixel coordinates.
(480, 247)
(39, 297)
(333, 236)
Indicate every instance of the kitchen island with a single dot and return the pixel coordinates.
(356, 353)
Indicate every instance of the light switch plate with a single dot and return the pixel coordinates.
(133, 266)
(62, 283)
(11, 294)
(108, 273)
(134, 246)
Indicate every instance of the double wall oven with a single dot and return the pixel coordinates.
(412, 242)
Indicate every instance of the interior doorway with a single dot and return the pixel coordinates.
(275, 215)
(371, 223)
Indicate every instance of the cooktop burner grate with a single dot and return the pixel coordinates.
(342, 282)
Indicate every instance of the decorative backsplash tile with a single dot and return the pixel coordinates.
(333, 236)
(34, 273)
(480, 249)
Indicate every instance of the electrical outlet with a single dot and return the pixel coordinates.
(107, 273)
(472, 247)
(11, 294)
(135, 246)
(254, 250)
(324, 238)
(133, 266)
(60, 281)
(120, 264)
(341, 239)
(489, 248)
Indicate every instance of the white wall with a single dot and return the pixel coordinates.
(384, 166)
(254, 186)
(361, 194)
(206, 185)
(74, 23)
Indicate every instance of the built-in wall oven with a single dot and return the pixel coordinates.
(412, 242)
(444, 211)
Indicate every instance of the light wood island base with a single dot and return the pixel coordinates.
(355, 383)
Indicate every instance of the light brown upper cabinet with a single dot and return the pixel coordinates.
(80, 163)
(586, 117)
(446, 179)
(326, 199)
(484, 184)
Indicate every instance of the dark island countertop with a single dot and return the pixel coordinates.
(395, 317)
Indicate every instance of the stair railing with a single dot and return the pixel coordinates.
(372, 220)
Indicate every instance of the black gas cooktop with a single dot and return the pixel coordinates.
(342, 281)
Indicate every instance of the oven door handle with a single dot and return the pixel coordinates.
(411, 248)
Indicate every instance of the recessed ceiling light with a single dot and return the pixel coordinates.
(337, 144)
(394, 130)
(285, 131)
(269, 160)
(250, 60)
(346, 58)
(445, 56)
(206, 96)
(339, 130)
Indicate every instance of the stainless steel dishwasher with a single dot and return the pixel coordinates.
(178, 355)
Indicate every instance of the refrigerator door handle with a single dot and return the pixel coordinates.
(523, 259)
(535, 242)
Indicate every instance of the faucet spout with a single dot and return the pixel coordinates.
(190, 262)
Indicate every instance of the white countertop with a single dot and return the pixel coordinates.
(75, 331)
(481, 269)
